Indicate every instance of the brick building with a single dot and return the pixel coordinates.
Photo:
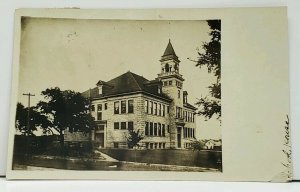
(159, 108)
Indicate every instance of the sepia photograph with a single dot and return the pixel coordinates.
(119, 95)
(150, 94)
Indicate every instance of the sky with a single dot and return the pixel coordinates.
(76, 54)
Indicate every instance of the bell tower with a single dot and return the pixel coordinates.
(169, 61)
(172, 82)
(171, 78)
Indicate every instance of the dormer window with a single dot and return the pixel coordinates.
(100, 89)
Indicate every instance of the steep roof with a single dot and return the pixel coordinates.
(127, 83)
(169, 50)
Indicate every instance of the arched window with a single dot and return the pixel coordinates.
(176, 67)
(167, 67)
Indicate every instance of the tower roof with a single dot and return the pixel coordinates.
(169, 50)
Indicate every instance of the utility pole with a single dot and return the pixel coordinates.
(28, 113)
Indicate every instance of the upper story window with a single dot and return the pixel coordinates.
(99, 107)
(116, 107)
(155, 108)
(170, 82)
(159, 109)
(165, 83)
(123, 106)
(146, 106)
(105, 106)
(151, 107)
(93, 107)
(130, 106)
(178, 93)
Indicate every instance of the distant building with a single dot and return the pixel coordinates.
(159, 108)
(213, 144)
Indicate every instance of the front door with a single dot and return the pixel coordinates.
(99, 138)
(179, 137)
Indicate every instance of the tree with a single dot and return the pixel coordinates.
(66, 110)
(197, 145)
(36, 119)
(211, 58)
(133, 138)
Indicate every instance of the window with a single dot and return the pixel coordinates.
(123, 125)
(117, 107)
(116, 145)
(116, 125)
(163, 110)
(155, 145)
(100, 89)
(167, 68)
(170, 82)
(93, 107)
(165, 83)
(99, 107)
(163, 130)
(159, 109)
(100, 127)
(164, 145)
(147, 145)
(155, 129)
(155, 108)
(159, 145)
(193, 133)
(159, 129)
(146, 106)
(123, 106)
(99, 116)
(147, 128)
(130, 125)
(151, 107)
(178, 93)
(168, 109)
(130, 106)
(168, 129)
(151, 129)
(105, 106)
(151, 145)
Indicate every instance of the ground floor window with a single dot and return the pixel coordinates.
(155, 129)
(116, 145)
(188, 145)
(155, 145)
